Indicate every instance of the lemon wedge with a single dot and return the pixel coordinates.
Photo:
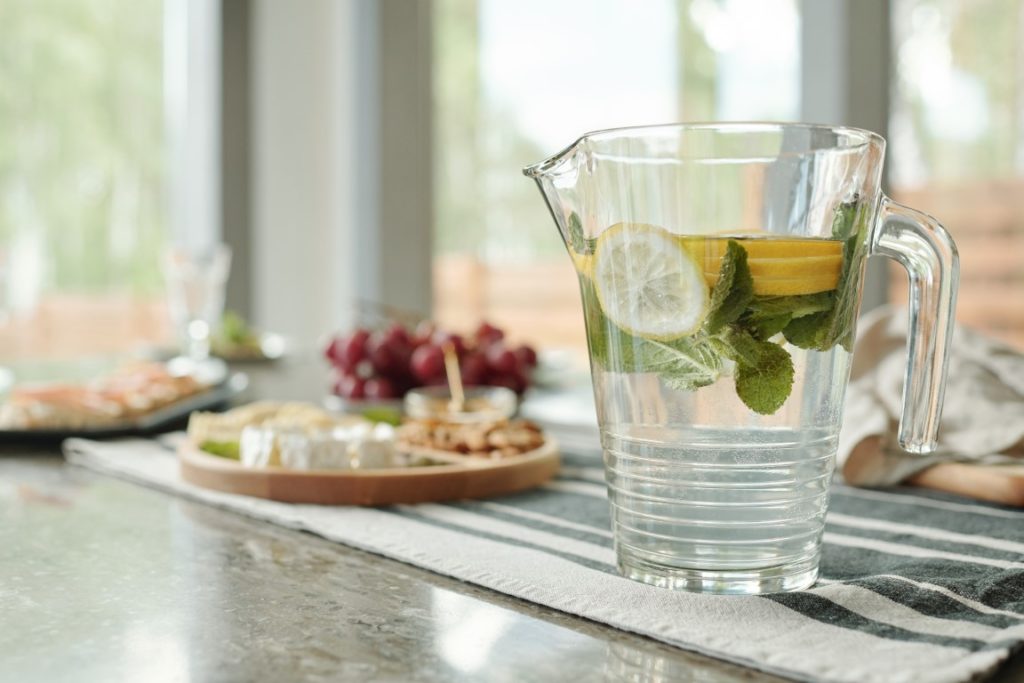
(648, 283)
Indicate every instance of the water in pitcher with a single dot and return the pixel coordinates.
(719, 365)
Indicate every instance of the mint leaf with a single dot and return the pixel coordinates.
(578, 240)
(845, 221)
(764, 370)
(739, 345)
(765, 387)
(765, 326)
(822, 330)
(810, 331)
(684, 364)
(733, 291)
(610, 347)
(844, 313)
(851, 224)
(769, 315)
(797, 305)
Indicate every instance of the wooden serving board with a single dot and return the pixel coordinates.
(431, 483)
(1002, 484)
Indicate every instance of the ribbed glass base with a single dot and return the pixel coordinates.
(788, 577)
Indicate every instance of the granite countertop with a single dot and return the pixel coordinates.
(108, 581)
(103, 580)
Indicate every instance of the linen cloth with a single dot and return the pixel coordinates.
(914, 587)
(983, 418)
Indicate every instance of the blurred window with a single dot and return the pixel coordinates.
(511, 90)
(957, 145)
(83, 162)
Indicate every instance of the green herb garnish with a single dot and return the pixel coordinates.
(733, 291)
(235, 330)
(764, 370)
(223, 449)
(686, 363)
(383, 414)
(821, 331)
(578, 240)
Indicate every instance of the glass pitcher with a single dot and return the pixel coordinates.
(721, 269)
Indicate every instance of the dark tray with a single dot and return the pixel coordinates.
(165, 419)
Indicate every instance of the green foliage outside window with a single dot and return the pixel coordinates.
(82, 140)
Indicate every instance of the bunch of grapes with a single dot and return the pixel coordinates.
(385, 363)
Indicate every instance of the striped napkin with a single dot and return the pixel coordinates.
(915, 587)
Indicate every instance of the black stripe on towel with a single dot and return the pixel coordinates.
(932, 603)
(944, 545)
(848, 563)
(884, 506)
(584, 510)
(823, 610)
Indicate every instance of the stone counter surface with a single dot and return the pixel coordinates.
(103, 580)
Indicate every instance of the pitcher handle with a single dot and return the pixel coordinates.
(922, 246)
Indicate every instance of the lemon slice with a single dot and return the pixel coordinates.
(647, 283)
(584, 263)
(786, 266)
(765, 247)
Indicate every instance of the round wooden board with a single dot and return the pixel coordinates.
(371, 487)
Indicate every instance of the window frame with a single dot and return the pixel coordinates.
(379, 228)
(341, 191)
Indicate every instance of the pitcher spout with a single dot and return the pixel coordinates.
(563, 162)
(558, 177)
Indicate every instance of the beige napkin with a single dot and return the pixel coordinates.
(983, 418)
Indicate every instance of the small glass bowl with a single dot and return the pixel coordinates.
(483, 404)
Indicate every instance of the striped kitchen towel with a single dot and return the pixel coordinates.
(915, 587)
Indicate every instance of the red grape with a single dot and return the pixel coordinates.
(353, 348)
(488, 334)
(333, 351)
(424, 333)
(474, 368)
(397, 333)
(350, 386)
(500, 360)
(527, 356)
(389, 353)
(440, 337)
(363, 369)
(386, 363)
(379, 388)
(379, 353)
(427, 362)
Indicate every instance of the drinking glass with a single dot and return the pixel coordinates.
(196, 278)
(721, 269)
